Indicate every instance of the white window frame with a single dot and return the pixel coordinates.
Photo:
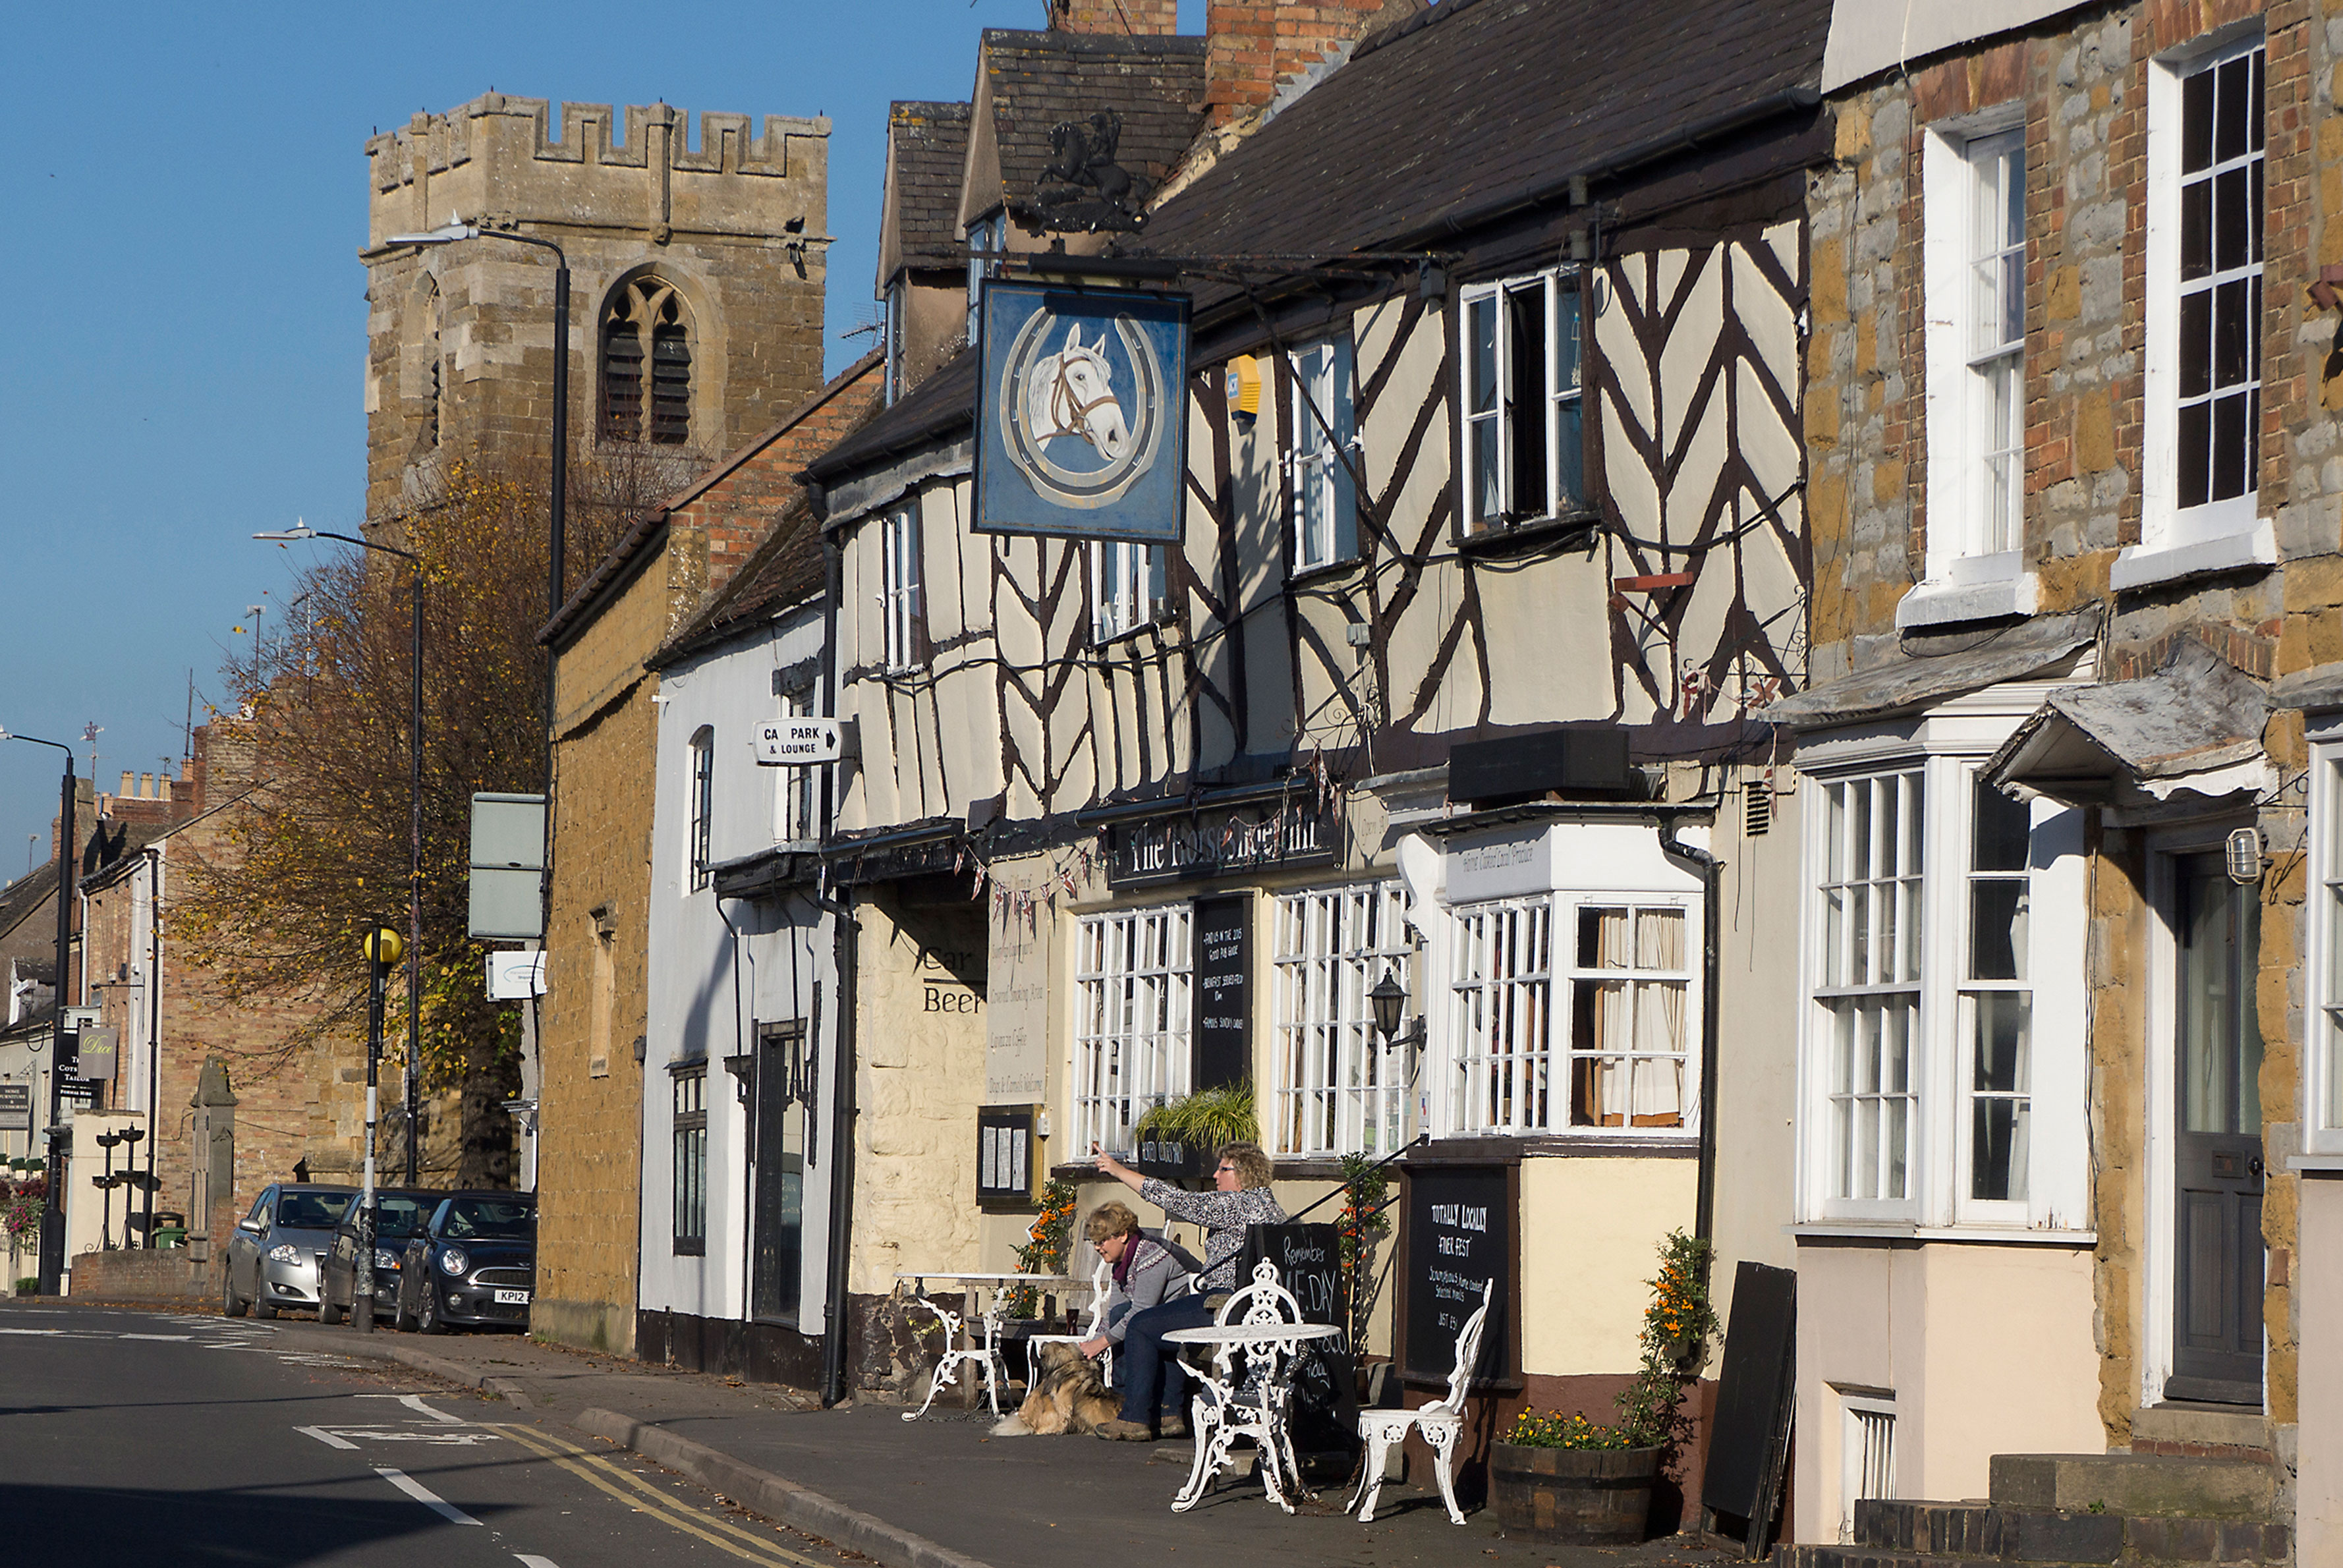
(898, 591)
(1977, 520)
(1338, 1089)
(1134, 979)
(796, 793)
(688, 1171)
(1866, 1452)
(1128, 587)
(2322, 1060)
(1952, 747)
(1321, 495)
(699, 790)
(1534, 999)
(1556, 285)
(2218, 535)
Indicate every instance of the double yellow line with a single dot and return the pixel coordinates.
(641, 1494)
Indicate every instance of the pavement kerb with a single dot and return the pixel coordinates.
(767, 1493)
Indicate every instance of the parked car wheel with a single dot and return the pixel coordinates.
(327, 1313)
(401, 1318)
(263, 1309)
(231, 1304)
(429, 1320)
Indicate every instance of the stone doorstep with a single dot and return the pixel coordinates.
(2202, 1432)
(1958, 1532)
(2137, 1484)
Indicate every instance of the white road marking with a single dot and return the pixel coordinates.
(175, 1338)
(327, 1438)
(414, 1402)
(344, 1436)
(448, 1511)
(529, 1561)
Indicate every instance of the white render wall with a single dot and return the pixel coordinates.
(711, 985)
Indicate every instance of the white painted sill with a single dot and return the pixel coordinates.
(2141, 565)
(1906, 1231)
(1948, 603)
(2316, 1164)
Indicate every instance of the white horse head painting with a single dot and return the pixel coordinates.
(1072, 393)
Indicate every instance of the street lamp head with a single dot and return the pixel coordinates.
(385, 947)
(447, 232)
(1387, 999)
(299, 530)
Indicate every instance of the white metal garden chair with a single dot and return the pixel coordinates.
(1102, 1286)
(1440, 1422)
(1227, 1405)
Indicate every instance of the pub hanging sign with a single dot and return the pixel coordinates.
(1081, 412)
(1183, 846)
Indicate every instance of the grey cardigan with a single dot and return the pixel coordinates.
(1154, 1278)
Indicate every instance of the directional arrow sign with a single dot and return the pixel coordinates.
(801, 742)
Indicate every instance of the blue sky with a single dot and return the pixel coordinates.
(185, 197)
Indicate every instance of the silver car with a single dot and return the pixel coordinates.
(274, 1254)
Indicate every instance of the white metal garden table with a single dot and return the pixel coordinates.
(993, 1291)
(1253, 1406)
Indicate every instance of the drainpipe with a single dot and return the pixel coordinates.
(843, 932)
(154, 1027)
(1712, 877)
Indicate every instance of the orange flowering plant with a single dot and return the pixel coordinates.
(1677, 1327)
(1046, 1243)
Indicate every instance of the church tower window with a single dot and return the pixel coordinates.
(645, 329)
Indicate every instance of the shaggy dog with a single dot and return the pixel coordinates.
(1066, 1397)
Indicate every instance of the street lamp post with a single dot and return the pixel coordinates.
(382, 952)
(53, 1211)
(414, 813)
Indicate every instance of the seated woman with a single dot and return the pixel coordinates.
(1145, 1272)
(1240, 1196)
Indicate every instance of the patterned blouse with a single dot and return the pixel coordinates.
(1223, 1216)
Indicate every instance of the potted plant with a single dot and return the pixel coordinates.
(1047, 1243)
(1567, 1479)
(1180, 1140)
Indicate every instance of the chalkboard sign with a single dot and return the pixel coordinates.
(1749, 1438)
(1309, 1260)
(1224, 971)
(1459, 1237)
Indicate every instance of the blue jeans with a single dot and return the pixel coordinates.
(1149, 1382)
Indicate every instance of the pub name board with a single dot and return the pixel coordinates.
(1183, 846)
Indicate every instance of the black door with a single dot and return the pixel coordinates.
(784, 1091)
(2218, 1262)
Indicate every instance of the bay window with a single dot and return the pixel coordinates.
(1612, 1054)
(1338, 1089)
(1944, 942)
(1132, 1043)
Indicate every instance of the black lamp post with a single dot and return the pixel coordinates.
(53, 1211)
(414, 809)
(109, 1142)
(132, 1178)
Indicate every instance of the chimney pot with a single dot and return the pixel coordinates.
(127, 786)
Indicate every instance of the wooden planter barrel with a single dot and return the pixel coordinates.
(1576, 1496)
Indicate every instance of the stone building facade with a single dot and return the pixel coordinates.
(596, 1018)
(2074, 501)
(697, 265)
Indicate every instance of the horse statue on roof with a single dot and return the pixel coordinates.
(1072, 393)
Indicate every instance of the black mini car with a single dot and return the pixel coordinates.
(473, 1264)
(401, 1211)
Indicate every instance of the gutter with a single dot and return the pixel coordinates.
(1712, 974)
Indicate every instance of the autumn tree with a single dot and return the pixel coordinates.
(318, 855)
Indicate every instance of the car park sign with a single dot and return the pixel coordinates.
(801, 742)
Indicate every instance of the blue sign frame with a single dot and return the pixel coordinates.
(1081, 416)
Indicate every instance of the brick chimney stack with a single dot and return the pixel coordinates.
(1259, 46)
(1117, 18)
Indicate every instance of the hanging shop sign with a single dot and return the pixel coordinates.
(1181, 845)
(1081, 412)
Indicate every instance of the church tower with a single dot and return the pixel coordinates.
(695, 268)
